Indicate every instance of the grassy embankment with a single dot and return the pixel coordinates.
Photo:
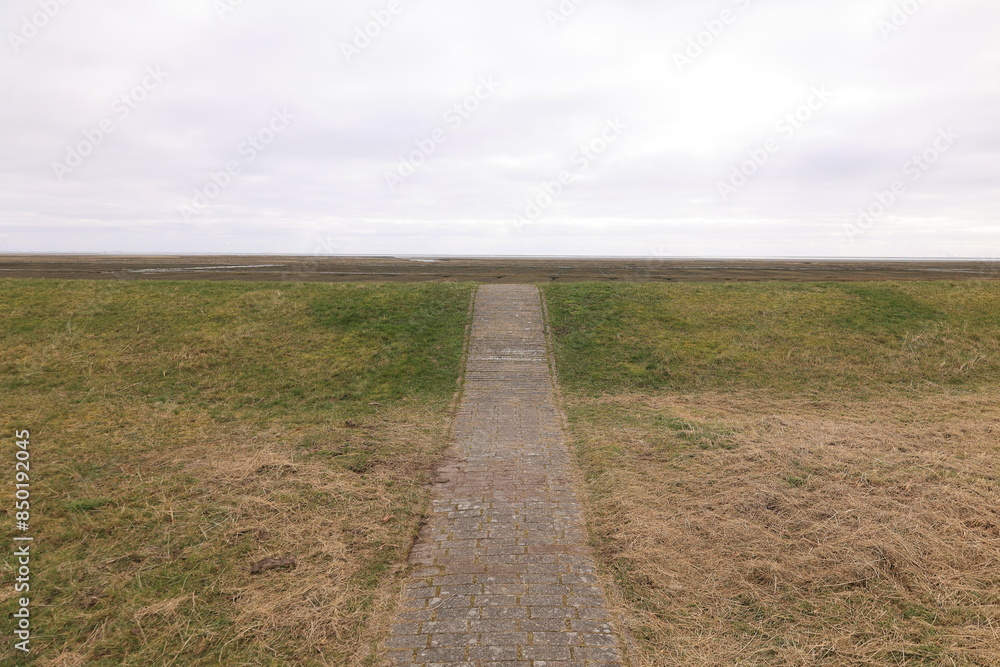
(791, 474)
(182, 432)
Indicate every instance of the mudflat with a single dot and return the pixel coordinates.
(482, 269)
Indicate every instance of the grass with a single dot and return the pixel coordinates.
(776, 474)
(790, 474)
(183, 431)
(787, 338)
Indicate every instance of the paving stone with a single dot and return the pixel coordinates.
(590, 626)
(454, 639)
(504, 589)
(496, 601)
(451, 602)
(456, 614)
(504, 612)
(596, 654)
(581, 601)
(597, 639)
(553, 612)
(423, 592)
(499, 579)
(494, 654)
(440, 655)
(406, 628)
(544, 625)
(504, 576)
(437, 627)
(550, 589)
(461, 589)
(494, 625)
(555, 638)
(414, 615)
(397, 657)
(543, 600)
(406, 641)
(546, 652)
(597, 613)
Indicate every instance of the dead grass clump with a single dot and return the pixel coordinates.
(332, 520)
(163, 608)
(833, 534)
(66, 659)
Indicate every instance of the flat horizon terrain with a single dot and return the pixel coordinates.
(291, 268)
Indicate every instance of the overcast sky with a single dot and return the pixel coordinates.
(586, 127)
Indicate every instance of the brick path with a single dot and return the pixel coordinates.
(503, 575)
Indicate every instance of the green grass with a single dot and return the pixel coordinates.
(788, 338)
(181, 431)
(232, 347)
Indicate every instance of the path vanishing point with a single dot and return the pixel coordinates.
(503, 574)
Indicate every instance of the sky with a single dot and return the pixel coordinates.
(752, 128)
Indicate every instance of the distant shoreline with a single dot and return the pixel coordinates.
(443, 257)
(422, 268)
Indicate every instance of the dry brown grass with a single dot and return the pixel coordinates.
(335, 544)
(748, 531)
(231, 497)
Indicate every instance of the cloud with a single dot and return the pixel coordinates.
(357, 118)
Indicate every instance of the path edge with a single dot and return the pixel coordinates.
(626, 642)
(377, 655)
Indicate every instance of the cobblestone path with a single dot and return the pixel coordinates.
(503, 575)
